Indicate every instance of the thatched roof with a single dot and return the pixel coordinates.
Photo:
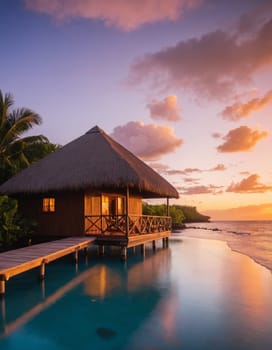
(93, 161)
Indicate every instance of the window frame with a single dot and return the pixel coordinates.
(49, 204)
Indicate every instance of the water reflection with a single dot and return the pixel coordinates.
(100, 281)
(9, 327)
(104, 280)
(250, 283)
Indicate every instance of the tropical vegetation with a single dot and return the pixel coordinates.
(180, 214)
(17, 151)
(13, 228)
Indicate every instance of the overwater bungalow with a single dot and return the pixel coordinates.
(92, 186)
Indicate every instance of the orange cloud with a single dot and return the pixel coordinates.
(218, 167)
(240, 110)
(123, 14)
(242, 139)
(226, 62)
(199, 190)
(148, 141)
(166, 110)
(183, 172)
(250, 212)
(250, 184)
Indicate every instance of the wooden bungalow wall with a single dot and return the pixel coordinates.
(67, 220)
(135, 205)
(92, 206)
(70, 211)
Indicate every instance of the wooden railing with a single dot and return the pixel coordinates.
(137, 224)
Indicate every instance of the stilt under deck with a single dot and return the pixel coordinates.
(17, 261)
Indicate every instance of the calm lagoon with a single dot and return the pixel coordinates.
(197, 294)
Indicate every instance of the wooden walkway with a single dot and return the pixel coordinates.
(20, 260)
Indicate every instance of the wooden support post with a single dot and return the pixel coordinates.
(123, 253)
(127, 212)
(143, 249)
(163, 242)
(2, 285)
(42, 271)
(154, 245)
(76, 255)
(101, 250)
(3, 310)
(166, 242)
(167, 207)
(43, 289)
(101, 218)
(86, 251)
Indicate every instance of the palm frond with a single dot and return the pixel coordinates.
(6, 101)
(19, 121)
(34, 139)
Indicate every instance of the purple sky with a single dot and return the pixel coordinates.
(184, 84)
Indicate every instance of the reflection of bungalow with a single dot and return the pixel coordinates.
(93, 186)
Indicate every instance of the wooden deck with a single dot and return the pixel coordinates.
(131, 241)
(20, 260)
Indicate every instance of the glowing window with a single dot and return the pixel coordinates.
(49, 205)
(120, 205)
(105, 205)
(112, 205)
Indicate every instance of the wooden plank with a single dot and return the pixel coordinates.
(20, 260)
(142, 239)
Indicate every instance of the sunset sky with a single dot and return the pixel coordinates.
(184, 84)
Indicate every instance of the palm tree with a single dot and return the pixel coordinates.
(14, 147)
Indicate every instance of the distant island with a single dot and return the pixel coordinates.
(180, 214)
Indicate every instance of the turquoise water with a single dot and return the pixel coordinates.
(196, 294)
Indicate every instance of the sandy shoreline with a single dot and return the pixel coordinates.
(234, 244)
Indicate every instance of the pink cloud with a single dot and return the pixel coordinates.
(242, 139)
(123, 14)
(183, 172)
(191, 170)
(240, 110)
(167, 109)
(216, 135)
(251, 21)
(159, 167)
(212, 66)
(250, 184)
(167, 171)
(210, 189)
(148, 141)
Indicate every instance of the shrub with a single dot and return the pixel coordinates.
(14, 229)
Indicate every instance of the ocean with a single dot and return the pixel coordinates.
(252, 238)
(197, 294)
